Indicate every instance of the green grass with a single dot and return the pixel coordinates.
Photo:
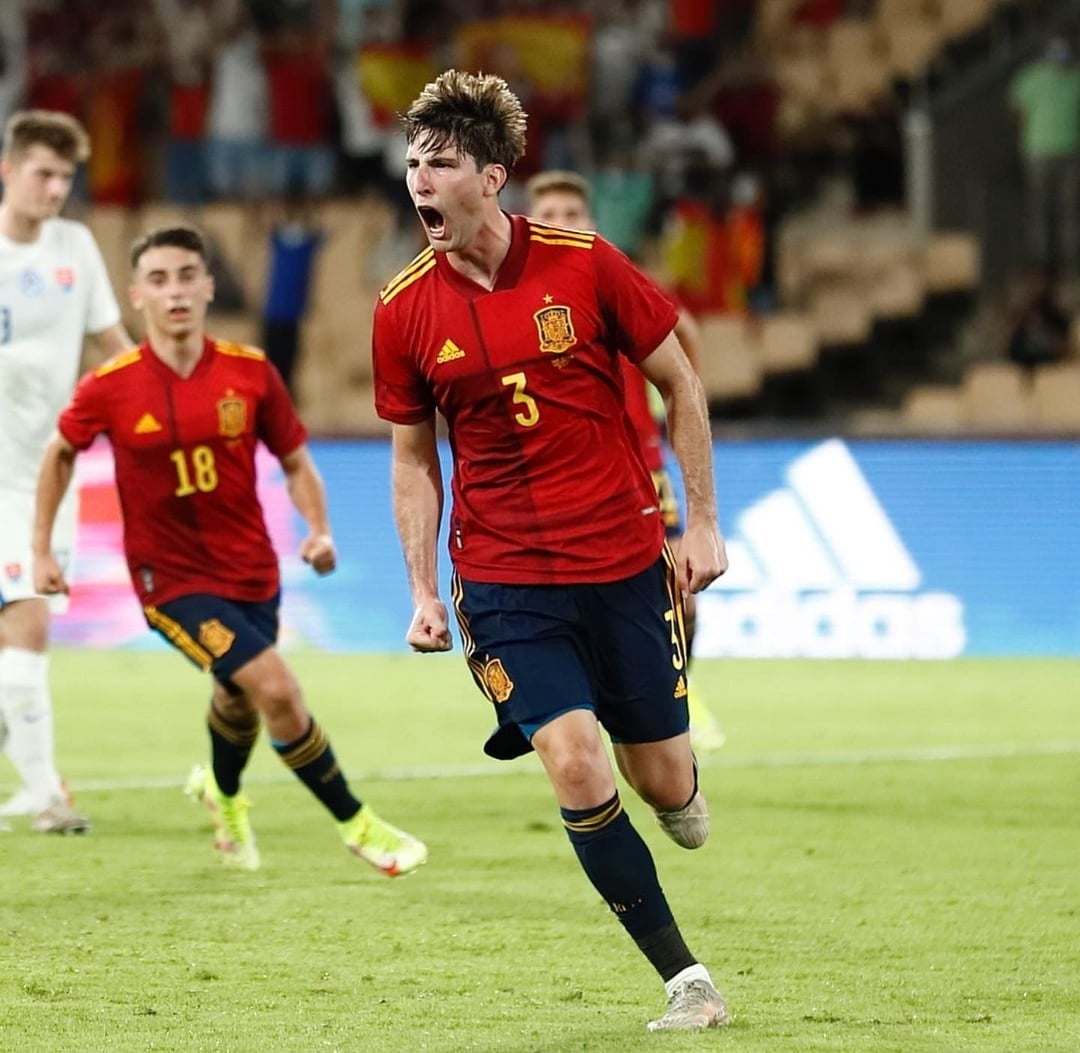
(895, 865)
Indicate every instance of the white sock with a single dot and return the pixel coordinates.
(697, 971)
(26, 710)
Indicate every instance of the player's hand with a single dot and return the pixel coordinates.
(430, 628)
(48, 577)
(318, 550)
(701, 557)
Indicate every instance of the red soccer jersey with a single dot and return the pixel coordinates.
(641, 416)
(549, 484)
(185, 466)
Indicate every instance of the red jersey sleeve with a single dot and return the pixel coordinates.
(278, 425)
(402, 394)
(639, 313)
(83, 419)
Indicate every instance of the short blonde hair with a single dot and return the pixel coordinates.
(58, 131)
(558, 179)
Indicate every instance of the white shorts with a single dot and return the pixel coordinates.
(16, 551)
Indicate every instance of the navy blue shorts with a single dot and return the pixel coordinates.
(218, 635)
(618, 649)
(669, 504)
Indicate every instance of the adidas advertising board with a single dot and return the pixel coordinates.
(887, 548)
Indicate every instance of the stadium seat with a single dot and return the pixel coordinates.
(932, 408)
(896, 291)
(841, 315)
(951, 263)
(959, 17)
(729, 366)
(1055, 398)
(787, 343)
(995, 397)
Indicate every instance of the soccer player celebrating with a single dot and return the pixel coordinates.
(568, 599)
(184, 414)
(562, 198)
(54, 290)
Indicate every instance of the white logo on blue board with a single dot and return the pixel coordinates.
(819, 571)
(31, 282)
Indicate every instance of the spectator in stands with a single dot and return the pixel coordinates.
(1039, 332)
(1046, 95)
(295, 241)
(237, 120)
(189, 42)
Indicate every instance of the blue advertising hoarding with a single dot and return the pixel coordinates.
(888, 549)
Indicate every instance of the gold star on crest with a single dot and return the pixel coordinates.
(549, 298)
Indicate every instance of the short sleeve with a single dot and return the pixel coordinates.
(279, 425)
(402, 394)
(639, 313)
(84, 417)
(102, 310)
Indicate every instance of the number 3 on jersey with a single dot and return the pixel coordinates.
(195, 474)
(530, 414)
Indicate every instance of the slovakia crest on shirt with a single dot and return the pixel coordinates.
(556, 329)
(31, 282)
(65, 278)
(232, 417)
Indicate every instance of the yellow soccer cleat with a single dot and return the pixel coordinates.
(385, 847)
(233, 836)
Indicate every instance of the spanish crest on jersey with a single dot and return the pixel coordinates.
(556, 328)
(232, 416)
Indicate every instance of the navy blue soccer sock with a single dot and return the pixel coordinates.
(621, 868)
(231, 742)
(314, 764)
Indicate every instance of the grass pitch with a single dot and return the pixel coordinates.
(895, 865)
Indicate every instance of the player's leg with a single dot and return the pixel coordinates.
(236, 641)
(523, 645)
(305, 748)
(26, 712)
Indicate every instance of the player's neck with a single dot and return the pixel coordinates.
(17, 227)
(481, 261)
(180, 353)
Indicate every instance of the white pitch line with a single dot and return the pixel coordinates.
(917, 755)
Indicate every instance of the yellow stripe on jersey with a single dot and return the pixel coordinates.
(178, 635)
(404, 278)
(227, 347)
(120, 361)
(548, 235)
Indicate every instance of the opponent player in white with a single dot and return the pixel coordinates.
(54, 291)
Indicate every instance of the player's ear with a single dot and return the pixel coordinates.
(210, 289)
(495, 177)
(135, 297)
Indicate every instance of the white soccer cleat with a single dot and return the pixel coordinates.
(60, 818)
(688, 826)
(695, 1005)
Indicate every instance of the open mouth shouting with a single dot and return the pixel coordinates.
(432, 219)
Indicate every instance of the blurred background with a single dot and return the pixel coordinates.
(871, 206)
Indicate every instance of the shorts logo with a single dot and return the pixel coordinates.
(499, 683)
(680, 688)
(556, 329)
(215, 637)
(232, 417)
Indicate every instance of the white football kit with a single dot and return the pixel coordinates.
(53, 291)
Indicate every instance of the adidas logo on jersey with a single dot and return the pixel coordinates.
(817, 570)
(449, 352)
(147, 424)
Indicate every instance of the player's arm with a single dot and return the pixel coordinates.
(701, 556)
(308, 495)
(109, 342)
(416, 483)
(57, 468)
(689, 334)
